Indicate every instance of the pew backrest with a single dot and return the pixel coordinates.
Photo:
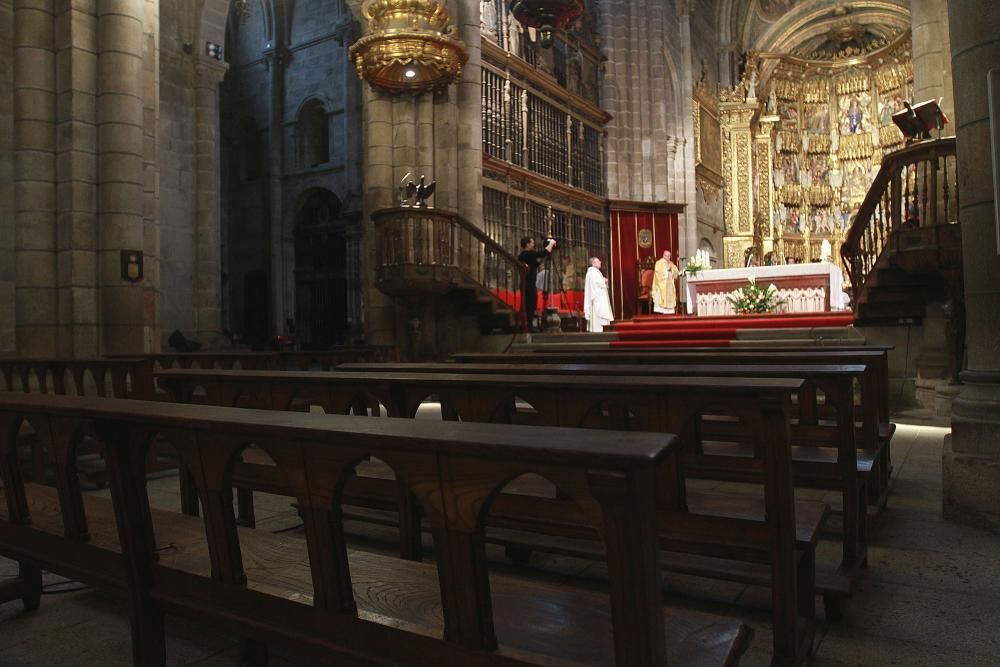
(453, 470)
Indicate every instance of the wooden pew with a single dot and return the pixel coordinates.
(316, 593)
(250, 360)
(874, 403)
(826, 456)
(706, 533)
(124, 377)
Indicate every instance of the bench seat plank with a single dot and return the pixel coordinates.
(543, 622)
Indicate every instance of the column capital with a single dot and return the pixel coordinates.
(209, 71)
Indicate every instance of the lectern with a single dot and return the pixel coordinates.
(917, 120)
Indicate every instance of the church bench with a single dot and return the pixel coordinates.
(874, 403)
(784, 535)
(823, 451)
(341, 605)
(124, 377)
(251, 360)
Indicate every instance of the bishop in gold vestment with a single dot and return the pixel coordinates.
(664, 288)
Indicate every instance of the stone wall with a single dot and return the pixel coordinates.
(8, 313)
(280, 63)
(647, 88)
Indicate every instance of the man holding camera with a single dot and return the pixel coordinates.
(533, 259)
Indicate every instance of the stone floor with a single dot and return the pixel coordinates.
(931, 594)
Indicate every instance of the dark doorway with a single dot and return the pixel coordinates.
(320, 272)
(256, 294)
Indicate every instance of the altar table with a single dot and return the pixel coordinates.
(805, 288)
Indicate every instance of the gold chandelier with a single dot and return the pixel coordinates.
(410, 46)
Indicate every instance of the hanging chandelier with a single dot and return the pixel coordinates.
(547, 16)
(409, 47)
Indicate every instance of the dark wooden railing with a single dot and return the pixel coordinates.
(916, 187)
(429, 251)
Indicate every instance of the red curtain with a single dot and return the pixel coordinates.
(635, 236)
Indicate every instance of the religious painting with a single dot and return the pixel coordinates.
(819, 169)
(854, 113)
(887, 106)
(711, 140)
(789, 113)
(788, 216)
(822, 221)
(787, 171)
(857, 181)
(774, 9)
(817, 117)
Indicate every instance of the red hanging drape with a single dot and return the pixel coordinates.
(638, 232)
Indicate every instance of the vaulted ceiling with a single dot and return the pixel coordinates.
(807, 27)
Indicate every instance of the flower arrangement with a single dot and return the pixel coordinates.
(753, 299)
(700, 262)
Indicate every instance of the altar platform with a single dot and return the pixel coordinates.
(669, 331)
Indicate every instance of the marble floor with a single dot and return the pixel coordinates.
(930, 596)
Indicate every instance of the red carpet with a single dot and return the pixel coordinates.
(686, 331)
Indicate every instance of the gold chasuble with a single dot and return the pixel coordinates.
(664, 289)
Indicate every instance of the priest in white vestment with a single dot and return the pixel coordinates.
(596, 304)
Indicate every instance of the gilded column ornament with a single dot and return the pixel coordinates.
(736, 114)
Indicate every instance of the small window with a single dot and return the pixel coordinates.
(314, 135)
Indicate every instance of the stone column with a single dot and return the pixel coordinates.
(34, 177)
(8, 311)
(207, 288)
(735, 115)
(688, 220)
(932, 54)
(76, 84)
(120, 115)
(972, 452)
(151, 172)
(469, 109)
(379, 316)
(280, 309)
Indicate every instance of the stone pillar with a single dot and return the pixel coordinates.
(281, 309)
(76, 85)
(8, 311)
(151, 172)
(932, 54)
(469, 109)
(379, 316)
(34, 177)
(120, 115)
(972, 452)
(688, 220)
(439, 135)
(207, 288)
(735, 116)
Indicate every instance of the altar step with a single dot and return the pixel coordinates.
(750, 330)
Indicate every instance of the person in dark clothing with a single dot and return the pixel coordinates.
(533, 258)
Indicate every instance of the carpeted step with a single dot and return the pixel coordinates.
(659, 343)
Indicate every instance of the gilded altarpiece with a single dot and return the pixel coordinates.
(707, 141)
(815, 138)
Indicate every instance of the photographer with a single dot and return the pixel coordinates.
(533, 259)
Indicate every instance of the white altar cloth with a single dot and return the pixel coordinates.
(814, 287)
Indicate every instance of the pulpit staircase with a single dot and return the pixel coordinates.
(426, 253)
(904, 248)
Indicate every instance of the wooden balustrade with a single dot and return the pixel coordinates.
(916, 187)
